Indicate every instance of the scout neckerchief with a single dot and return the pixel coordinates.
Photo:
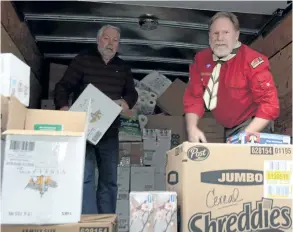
(211, 92)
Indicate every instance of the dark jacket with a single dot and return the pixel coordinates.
(114, 79)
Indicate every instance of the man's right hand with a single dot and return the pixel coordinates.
(64, 108)
(195, 135)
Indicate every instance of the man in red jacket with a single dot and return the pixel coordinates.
(232, 80)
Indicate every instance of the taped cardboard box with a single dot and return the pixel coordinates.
(171, 101)
(44, 159)
(230, 187)
(95, 223)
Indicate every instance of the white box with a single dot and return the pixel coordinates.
(103, 112)
(15, 78)
(142, 179)
(43, 170)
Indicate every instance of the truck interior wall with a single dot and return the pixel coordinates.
(277, 45)
(17, 39)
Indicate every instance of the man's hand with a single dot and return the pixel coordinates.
(123, 104)
(64, 108)
(195, 135)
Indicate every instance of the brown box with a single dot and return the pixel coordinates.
(171, 101)
(213, 131)
(95, 223)
(132, 150)
(231, 187)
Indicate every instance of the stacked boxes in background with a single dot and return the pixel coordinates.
(15, 82)
(141, 169)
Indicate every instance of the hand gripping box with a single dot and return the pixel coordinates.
(43, 166)
(231, 187)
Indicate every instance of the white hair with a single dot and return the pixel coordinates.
(103, 28)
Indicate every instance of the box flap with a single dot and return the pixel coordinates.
(171, 101)
(43, 132)
(112, 218)
(4, 112)
(16, 114)
(70, 121)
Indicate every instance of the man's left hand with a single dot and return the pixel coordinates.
(123, 104)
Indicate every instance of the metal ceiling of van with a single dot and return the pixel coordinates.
(152, 37)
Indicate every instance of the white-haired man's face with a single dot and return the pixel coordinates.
(108, 43)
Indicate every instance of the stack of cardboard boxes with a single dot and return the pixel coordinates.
(220, 187)
(43, 157)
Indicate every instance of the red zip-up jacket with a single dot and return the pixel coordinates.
(246, 87)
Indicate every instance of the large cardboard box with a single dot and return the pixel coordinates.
(43, 166)
(171, 101)
(15, 78)
(95, 223)
(230, 187)
(103, 112)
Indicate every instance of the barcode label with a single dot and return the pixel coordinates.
(148, 156)
(281, 165)
(97, 136)
(22, 146)
(21, 164)
(277, 179)
(122, 196)
(123, 224)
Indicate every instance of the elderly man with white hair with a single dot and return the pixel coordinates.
(106, 71)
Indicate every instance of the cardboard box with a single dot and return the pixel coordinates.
(142, 178)
(4, 112)
(15, 78)
(171, 101)
(153, 211)
(213, 132)
(174, 123)
(123, 182)
(155, 145)
(97, 223)
(103, 112)
(44, 159)
(226, 187)
(258, 138)
(131, 153)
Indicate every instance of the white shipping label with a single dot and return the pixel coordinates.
(34, 154)
(278, 179)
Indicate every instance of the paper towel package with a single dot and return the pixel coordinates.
(155, 82)
(232, 187)
(153, 211)
(15, 78)
(103, 112)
